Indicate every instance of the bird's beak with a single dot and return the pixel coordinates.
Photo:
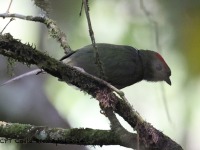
(168, 81)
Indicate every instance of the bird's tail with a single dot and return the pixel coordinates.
(33, 72)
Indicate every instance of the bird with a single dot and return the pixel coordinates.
(122, 65)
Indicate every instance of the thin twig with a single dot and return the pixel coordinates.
(98, 61)
(120, 93)
(153, 22)
(8, 10)
(158, 47)
(165, 102)
(7, 25)
(80, 13)
(53, 29)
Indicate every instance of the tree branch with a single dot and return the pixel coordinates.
(24, 133)
(149, 136)
(54, 30)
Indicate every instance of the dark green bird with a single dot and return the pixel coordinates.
(122, 65)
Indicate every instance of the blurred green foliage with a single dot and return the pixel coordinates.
(184, 15)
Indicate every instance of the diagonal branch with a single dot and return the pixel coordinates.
(149, 136)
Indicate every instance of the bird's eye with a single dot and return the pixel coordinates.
(159, 67)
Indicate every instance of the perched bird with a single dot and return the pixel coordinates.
(122, 65)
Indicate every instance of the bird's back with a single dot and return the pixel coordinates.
(121, 64)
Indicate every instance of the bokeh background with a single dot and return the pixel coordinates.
(43, 100)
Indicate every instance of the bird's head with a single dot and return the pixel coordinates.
(155, 67)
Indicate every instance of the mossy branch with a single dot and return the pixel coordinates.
(150, 137)
(25, 133)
